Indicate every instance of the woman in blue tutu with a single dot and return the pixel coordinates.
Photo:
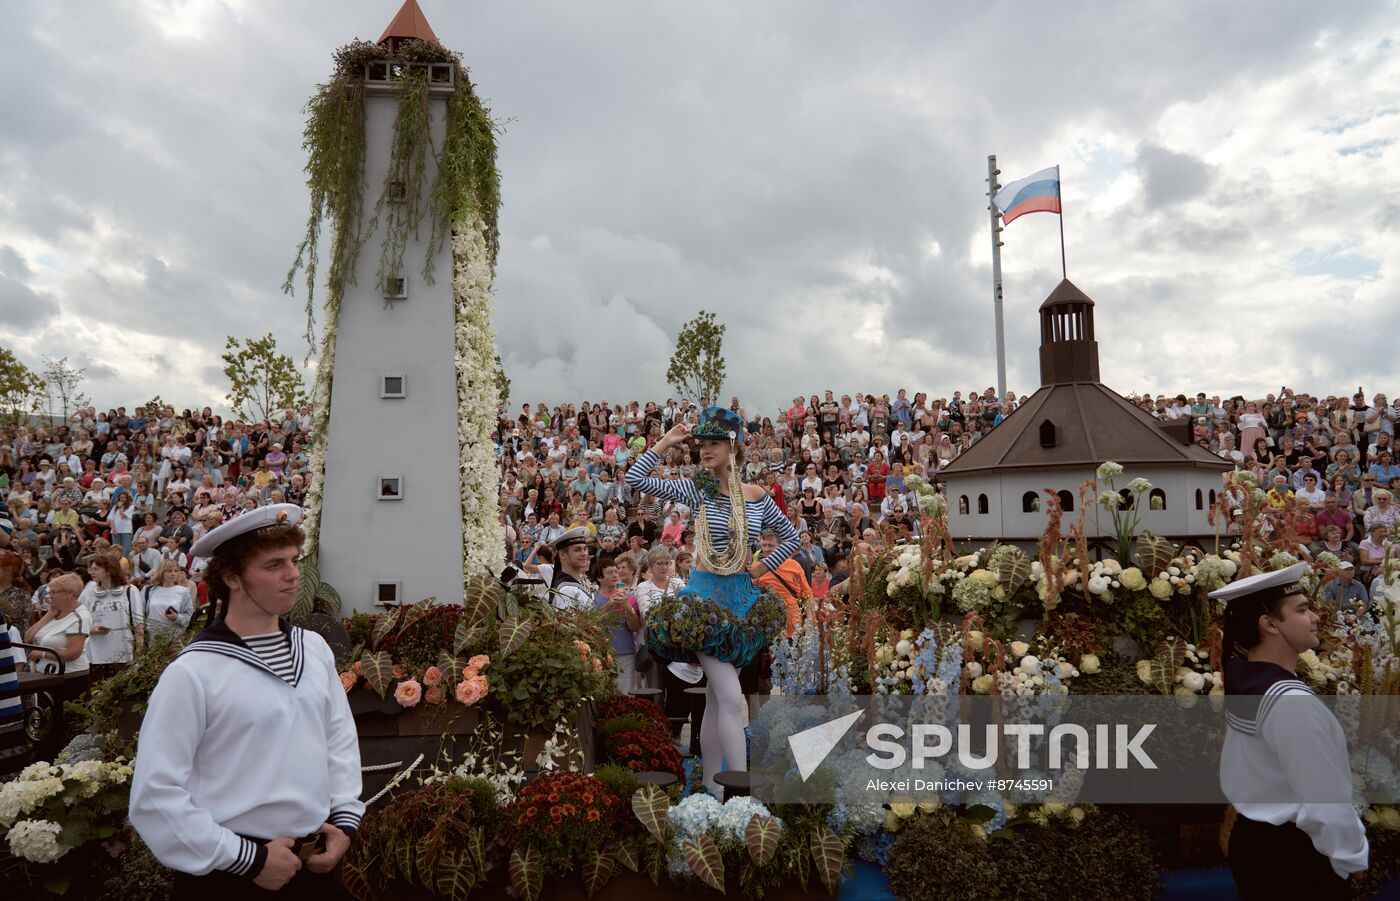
(720, 619)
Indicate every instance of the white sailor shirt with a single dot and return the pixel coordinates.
(229, 752)
(1285, 761)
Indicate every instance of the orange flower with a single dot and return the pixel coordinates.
(592, 816)
(434, 694)
(432, 676)
(348, 680)
(479, 662)
(398, 671)
(409, 693)
(356, 668)
(469, 672)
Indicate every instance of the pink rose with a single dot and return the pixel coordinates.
(409, 693)
(348, 680)
(479, 662)
(434, 694)
(432, 677)
(470, 691)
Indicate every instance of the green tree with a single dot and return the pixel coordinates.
(63, 388)
(502, 381)
(21, 390)
(262, 381)
(697, 366)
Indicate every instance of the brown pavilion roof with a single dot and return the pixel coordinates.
(1092, 424)
(409, 22)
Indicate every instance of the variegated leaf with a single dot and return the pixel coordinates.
(627, 855)
(598, 869)
(702, 856)
(307, 588)
(829, 856)
(526, 874)
(418, 611)
(465, 636)
(388, 621)
(761, 838)
(513, 635)
(455, 876)
(1013, 569)
(650, 804)
(1154, 554)
(328, 599)
(483, 593)
(1171, 654)
(449, 665)
(378, 671)
(352, 876)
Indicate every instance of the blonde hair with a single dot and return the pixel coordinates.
(71, 581)
(158, 574)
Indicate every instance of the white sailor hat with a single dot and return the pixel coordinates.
(1264, 587)
(577, 535)
(253, 520)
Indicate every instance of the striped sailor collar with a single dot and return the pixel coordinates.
(220, 639)
(1253, 687)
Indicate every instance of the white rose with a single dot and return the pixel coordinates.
(1020, 648)
(904, 648)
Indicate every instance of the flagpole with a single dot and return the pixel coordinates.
(1064, 273)
(992, 188)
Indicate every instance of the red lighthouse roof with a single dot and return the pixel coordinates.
(409, 23)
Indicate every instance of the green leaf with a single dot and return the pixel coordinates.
(829, 856)
(978, 814)
(598, 869)
(378, 670)
(1171, 653)
(761, 838)
(703, 858)
(627, 855)
(1154, 553)
(465, 636)
(482, 594)
(513, 635)
(352, 876)
(1013, 569)
(328, 599)
(58, 883)
(388, 622)
(451, 667)
(508, 608)
(307, 589)
(454, 876)
(406, 861)
(650, 804)
(526, 875)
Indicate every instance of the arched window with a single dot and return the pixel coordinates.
(1156, 499)
(982, 505)
(1047, 434)
(963, 507)
(1200, 500)
(1066, 500)
(1127, 496)
(1212, 497)
(1030, 502)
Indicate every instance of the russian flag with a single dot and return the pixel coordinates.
(1038, 193)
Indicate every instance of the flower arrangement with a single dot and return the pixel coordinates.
(564, 817)
(639, 708)
(435, 837)
(644, 750)
(50, 809)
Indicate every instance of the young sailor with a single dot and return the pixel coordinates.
(248, 769)
(1284, 766)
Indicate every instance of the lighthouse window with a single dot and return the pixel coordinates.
(1157, 499)
(1047, 434)
(1066, 501)
(1200, 500)
(982, 505)
(1030, 502)
(391, 488)
(396, 288)
(388, 594)
(392, 386)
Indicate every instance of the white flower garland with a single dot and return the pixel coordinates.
(483, 536)
(320, 422)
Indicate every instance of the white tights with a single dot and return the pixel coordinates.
(722, 732)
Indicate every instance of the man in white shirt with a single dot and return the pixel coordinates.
(144, 559)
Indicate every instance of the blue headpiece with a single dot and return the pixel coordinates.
(720, 423)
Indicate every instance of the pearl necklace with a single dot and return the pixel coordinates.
(735, 557)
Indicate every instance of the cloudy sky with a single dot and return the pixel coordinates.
(811, 171)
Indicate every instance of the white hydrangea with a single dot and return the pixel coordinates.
(36, 841)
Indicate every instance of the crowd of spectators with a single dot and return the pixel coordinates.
(139, 488)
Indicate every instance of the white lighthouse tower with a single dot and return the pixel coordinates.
(391, 506)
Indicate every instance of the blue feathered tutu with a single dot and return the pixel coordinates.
(725, 617)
